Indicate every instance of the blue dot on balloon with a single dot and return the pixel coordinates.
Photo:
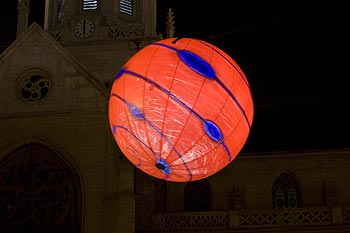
(136, 112)
(162, 165)
(213, 131)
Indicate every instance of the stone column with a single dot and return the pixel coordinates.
(233, 218)
(22, 16)
(337, 215)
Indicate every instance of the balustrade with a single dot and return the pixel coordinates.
(244, 219)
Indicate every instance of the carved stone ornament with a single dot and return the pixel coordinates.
(33, 86)
(125, 31)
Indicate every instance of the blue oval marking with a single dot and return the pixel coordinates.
(201, 66)
(197, 63)
(213, 131)
(136, 112)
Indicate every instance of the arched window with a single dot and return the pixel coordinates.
(197, 196)
(286, 192)
(39, 192)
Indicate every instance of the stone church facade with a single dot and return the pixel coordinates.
(61, 170)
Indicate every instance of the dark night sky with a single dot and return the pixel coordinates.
(295, 55)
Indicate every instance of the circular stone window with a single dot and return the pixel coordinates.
(33, 86)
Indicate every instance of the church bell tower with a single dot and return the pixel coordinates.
(96, 20)
(102, 34)
(55, 79)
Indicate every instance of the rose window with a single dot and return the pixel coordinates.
(33, 86)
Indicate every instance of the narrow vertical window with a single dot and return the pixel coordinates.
(59, 11)
(125, 7)
(197, 196)
(286, 192)
(90, 5)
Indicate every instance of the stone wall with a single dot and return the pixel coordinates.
(247, 182)
(72, 120)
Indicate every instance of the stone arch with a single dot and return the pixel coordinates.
(286, 191)
(40, 191)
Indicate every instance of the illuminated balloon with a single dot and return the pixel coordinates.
(180, 109)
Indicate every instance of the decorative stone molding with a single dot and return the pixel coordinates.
(253, 219)
(346, 214)
(33, 86)
(191, 220)
(125, 31)
(287, 216)
(58, 36)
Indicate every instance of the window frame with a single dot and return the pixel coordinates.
(286, 180)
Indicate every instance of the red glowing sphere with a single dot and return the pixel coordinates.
(180, 109)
